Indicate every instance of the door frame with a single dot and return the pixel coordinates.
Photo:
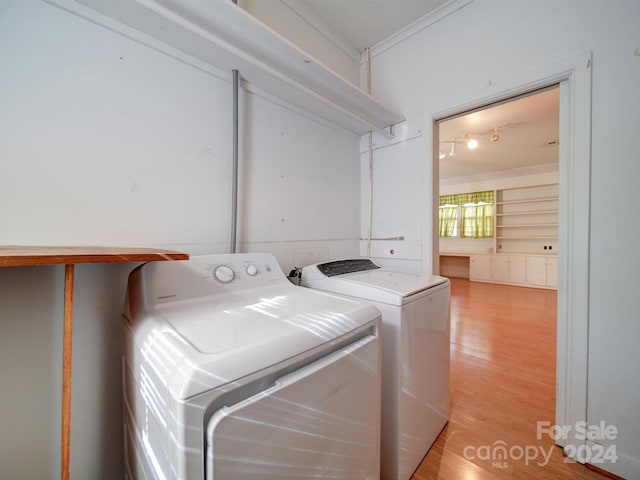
(574, 77)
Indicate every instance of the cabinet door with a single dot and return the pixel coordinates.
(517, 269)
(537, 271)
(500, 268)
(552, 272)
(480, 267)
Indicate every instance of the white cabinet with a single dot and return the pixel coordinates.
(542, 271)
(500, 268)
(552, 272)
(537, 271)
(517, 269)
(508, 268)
(480, 267)
(524, 270)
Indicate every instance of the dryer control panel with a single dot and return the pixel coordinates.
(248, 269)
(206, 275)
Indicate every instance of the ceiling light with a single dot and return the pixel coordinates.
(472, 144)
(495, 137)
(442, 155)
(452, 153)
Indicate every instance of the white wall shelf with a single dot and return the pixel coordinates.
(533, 212)
(528, 237)
(532, 225)
(528, 200)
(225, 36)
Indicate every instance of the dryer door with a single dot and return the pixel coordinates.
(321, 421)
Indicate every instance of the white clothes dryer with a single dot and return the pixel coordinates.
(415, 353)
(231, 372)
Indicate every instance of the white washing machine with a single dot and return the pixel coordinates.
(415, 353)
(231, 372)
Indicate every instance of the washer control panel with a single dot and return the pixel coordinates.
(341, 267)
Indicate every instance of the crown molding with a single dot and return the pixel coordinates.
(412, 29)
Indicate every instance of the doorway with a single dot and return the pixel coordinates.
(498, 179)
(574, 78)
(498, 227)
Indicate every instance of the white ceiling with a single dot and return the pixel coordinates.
(528, 130)
(365, 23)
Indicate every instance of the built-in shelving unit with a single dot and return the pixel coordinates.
(526, 241)
(527, 219)
(227, 37)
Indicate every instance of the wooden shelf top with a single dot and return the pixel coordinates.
(21, 256)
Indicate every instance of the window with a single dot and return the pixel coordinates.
(467, 215)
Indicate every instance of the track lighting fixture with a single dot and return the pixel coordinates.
(472, 143)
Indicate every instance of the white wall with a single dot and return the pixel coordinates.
(397, 177)
(397, 211)
(30, 353)
(106, 141)
(467, 54)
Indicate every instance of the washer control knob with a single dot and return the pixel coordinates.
(224, 274)
(252, 270)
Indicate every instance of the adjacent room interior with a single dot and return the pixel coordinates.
(499, 191)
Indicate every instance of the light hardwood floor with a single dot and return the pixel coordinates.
(503, 353)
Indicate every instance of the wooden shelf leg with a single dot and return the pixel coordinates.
(66, 371)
